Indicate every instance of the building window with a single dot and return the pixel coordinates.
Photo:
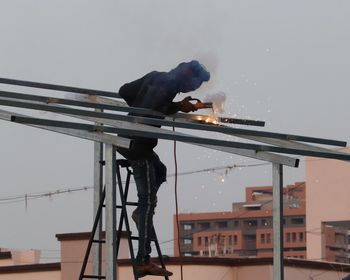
(204, 225)
(262, 238)
(223, 239)
(301, 236)
(268, 237)
(187, 241)
(294, 237)
(297, 221)
(264, 223)
(206, 241)
(188, 226)
(199, 240)
(288, 237)
(222, 224)
(251, 223)
(236, 223)
(211, 239)
(230, 240)
(235, 240)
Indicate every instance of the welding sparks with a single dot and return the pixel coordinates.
(207, 119)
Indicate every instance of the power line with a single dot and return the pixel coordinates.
(31, 196)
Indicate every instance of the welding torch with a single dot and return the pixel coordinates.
(201, 105)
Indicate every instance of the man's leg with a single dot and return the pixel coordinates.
(160, 170)
(144, 175)
(160, 177)
(145, 178)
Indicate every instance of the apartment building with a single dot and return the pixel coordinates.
(336, 240)
(246, 231)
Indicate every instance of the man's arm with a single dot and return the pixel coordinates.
(159, 100)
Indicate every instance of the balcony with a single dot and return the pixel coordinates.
(249, 231)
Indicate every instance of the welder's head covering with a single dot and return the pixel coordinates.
(191, 75)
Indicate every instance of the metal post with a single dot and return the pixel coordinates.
(111, 213)
(98, 185)
(277, 182)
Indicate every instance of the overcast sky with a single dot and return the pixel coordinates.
(283, 62)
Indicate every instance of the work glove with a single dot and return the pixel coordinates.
(186, 106)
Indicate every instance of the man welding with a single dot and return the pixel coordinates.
(155, 91)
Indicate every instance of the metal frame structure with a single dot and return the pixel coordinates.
(104, 127)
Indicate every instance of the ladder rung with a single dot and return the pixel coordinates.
(94, 277)
(128, 204)
(132, 203)
(99, 241)
(137, 238)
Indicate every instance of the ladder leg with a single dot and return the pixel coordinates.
(97, 219)
(124, 216)
(124, 219)
(159, 252)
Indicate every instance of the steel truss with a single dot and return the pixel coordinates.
(103, 128)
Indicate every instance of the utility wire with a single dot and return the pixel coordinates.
(30, 196)
(177, 210)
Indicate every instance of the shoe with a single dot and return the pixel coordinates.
(151, 269)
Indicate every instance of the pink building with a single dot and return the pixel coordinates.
(327, 195)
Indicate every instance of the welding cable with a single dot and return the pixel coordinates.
(177, 210)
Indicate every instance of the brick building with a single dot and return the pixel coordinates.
(336, 241)
(246, 231)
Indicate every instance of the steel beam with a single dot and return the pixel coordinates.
(277, 182)
(58, 87)
(118, 106)
(153, 121)
(197, 117)
(265, 156)
(179, 115)
(128, 132)
(110, 104)
(111, 214)
(93, 102)
(98, 188)
(286, 143)
(93, 136)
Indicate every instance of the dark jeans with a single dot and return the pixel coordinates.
(149, 174)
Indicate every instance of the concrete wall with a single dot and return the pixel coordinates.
(72, 255)
(26, 257)
(327, 195)
(14, 257)
(45, 275)
(236, 272)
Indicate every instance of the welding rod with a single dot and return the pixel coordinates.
(241, 121)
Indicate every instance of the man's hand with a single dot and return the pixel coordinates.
(186, 106)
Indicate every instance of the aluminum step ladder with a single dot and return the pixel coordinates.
(123, 220)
